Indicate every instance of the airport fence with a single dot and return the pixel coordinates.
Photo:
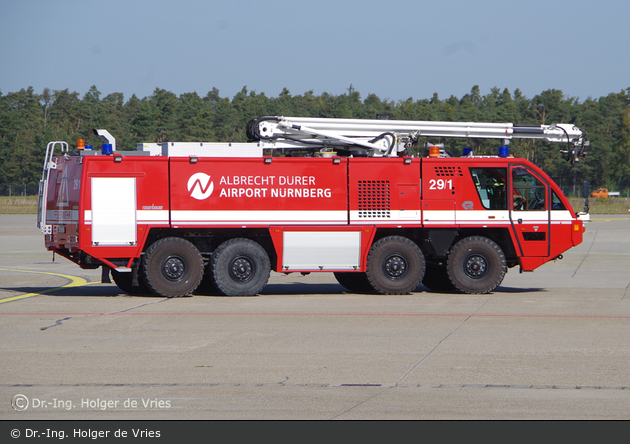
(19, 189)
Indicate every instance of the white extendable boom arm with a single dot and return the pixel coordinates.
(388, 137)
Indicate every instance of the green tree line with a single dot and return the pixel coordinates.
(29, 120)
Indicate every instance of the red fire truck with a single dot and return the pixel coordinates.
(343, 196)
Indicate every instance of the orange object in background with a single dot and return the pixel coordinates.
(603, 192)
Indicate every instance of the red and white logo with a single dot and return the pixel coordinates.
(200, 186)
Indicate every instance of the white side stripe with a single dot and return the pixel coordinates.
(266, 217)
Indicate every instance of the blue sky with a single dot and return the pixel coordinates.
(396, 49)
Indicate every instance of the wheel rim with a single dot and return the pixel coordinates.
(476, 266)
(395, 266)
(242, 269)
(174, 268)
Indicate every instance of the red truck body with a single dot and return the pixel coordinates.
(380, 224)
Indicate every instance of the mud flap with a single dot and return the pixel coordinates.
(105, 274)
(134, 277)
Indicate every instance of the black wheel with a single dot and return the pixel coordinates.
(395, 265)
(172, 267)
(476, 265)
(124, 282)
(355, 282)
(436, 279)
(240, 267)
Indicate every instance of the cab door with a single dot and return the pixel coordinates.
(530, 211)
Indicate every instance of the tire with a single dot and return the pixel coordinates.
(172, 267)
(354, 282)
(476, 265)
(240, 267)
(123, 280)
(395, 265)
(436, 279)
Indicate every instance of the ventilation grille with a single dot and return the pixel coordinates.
(374, 198)
(442, 171)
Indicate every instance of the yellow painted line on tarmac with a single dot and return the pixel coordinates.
(75, 281)
(608, 220)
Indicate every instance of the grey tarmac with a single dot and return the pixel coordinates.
(552, 344)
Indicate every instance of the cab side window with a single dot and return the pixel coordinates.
(556, 203)
(490, 185)
(529, 192)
